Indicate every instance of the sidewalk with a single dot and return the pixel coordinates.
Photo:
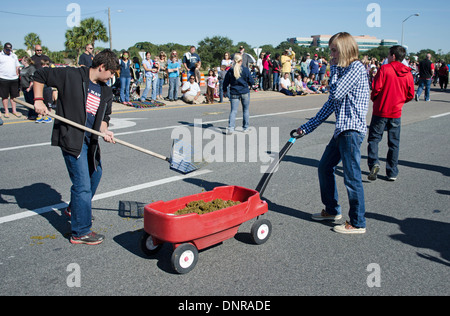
(118, 107)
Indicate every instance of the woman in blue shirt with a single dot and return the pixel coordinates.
(238, 79)
(125, 78)
(349, 100)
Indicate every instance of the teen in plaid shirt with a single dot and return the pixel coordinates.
(349, 100)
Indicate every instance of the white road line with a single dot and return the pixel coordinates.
(440, 115)
(15, 217)
(168, 127)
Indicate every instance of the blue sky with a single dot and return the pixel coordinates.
(255, 22)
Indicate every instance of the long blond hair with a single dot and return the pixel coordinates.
(237, 66)
(347, 47)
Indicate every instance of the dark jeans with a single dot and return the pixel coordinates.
(377, 127)
(346, 147)
(84, 186)
(424, 84)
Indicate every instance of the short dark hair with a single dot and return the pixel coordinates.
(398, 51)
(108, 59)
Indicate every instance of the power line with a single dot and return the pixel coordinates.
(48, 16)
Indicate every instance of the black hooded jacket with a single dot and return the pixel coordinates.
(72, 85)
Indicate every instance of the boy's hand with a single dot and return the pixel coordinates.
(40, 108)
(109, 137)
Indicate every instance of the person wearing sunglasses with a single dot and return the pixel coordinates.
(39, 56)
(86, 58)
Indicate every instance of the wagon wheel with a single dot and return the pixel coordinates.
(184, 258)
(148, 246)
(261, 231)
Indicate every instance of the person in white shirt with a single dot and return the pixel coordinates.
(285, 83)
(9, 79)
(191, 92)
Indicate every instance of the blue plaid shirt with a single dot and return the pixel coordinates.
(348, 99)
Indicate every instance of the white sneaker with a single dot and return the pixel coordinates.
(347, 228)
(324, 216)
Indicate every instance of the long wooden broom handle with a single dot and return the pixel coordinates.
(86, 129)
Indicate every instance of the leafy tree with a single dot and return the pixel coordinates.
(212, 49)
(31, 40)
(89, 31)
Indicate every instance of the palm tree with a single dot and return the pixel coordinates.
(89, 31)
(31, 40)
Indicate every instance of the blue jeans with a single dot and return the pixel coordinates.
(377, 127)
(234, 100)
(173, 88)
(427, 84)
(149, 82)
(159, 85)
(346, 147)
(125, 89)
(276, 81)
(84, 186)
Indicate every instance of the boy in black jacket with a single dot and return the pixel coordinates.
(85, 99)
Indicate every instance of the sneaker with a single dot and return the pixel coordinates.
(416, 98)
(246, 130)
(347, 228)
(39, 120)
(230, 131)
(392, 178)
(324, 216)
(68, 212)
(373, 172)
(46, 119)
(89, 239)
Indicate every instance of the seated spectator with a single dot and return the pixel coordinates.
(324, 86)
(191, 92)
(305, 86)
(285, 84)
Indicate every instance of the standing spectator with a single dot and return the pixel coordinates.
(162, 73)
(26, 83)
(191, 92)
(86, 58)
(267, 65)
(304, 67)
(323, 69)
(226, 61)
(314, 67)
(247, 59)
(238, 79)
(259, 65)
(125, 78)
(222, 74)
(286, 58)
(9, 79)
(443, 77)
(150, 77)
(190, 60)
(276, 72)
(38, 57)
(393, 87)
(173, 69)
(84, 98)
(349, 100)
(211, 86)
(426, 72)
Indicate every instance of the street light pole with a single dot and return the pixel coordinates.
(403, 23)
(109, 26)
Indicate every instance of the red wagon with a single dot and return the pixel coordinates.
(192, 232)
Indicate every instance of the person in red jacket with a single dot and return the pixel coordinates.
(393, 87)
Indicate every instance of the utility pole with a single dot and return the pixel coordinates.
(110, 32)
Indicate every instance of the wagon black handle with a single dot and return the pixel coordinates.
(295, 135)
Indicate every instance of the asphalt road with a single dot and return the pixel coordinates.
(406, 249)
